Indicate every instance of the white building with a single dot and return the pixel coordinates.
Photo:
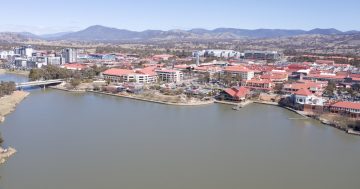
(54, 60)
(306, 97)
(6, 54)
(24, 51)
(170, 76)
(218, 53)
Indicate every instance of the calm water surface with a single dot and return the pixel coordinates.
(90, 141)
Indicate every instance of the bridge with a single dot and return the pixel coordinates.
(40, 83)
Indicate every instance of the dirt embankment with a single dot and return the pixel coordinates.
(9, 102)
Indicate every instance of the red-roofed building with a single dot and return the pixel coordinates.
(305, 100)
(315, 87)
(146, 75)
(74, 66)
(258, 84)
(276, 77)
(235, 93)
(352, 109)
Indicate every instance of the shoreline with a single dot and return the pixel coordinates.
(155, 101)
(67, 90)
(241, 104)
(16, 72)
(134, 97)
(8, 105)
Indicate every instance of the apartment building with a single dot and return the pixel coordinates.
(243, 72)
(170, 76)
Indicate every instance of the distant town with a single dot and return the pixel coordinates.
(325, 87)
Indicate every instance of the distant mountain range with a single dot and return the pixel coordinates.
(102, 33)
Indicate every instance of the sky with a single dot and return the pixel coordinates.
(49, 16)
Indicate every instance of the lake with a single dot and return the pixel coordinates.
(92, 141)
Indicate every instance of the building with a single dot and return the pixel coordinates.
(235, 94)
(258, 84)
(325, 77)
(24, 51)
(70, 55)
(305, 100)
(239, 71)
(124, 75)
(276, 77)
(316, 87)
(170, 76)
(6, 54)
(54, 60)
(351, 109)
(105, 57)
(20, 62)
(217, 53)
(262, 55)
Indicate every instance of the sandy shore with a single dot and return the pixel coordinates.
(7, 105)
(9, 102)
(2, 71)
(6, 153)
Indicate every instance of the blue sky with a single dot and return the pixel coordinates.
(49, 16)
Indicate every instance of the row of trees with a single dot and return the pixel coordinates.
(49, 72)
(7, 88)
(55, 72)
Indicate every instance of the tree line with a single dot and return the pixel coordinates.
(55, 72)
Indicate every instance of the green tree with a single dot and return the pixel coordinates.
(35, 74)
